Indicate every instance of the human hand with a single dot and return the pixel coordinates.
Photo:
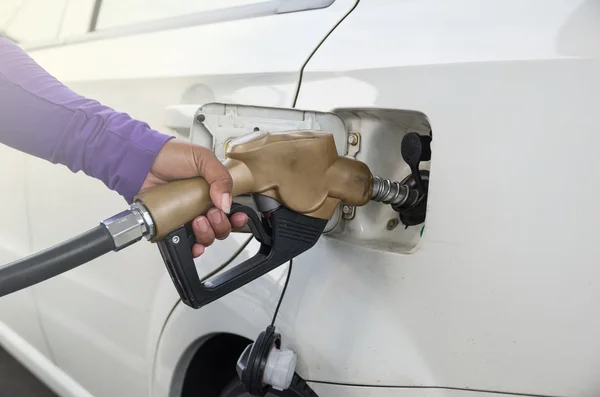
(181, 160)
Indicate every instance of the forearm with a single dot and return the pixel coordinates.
(42, 117)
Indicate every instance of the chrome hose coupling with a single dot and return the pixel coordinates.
(398, 196)
(130, 226)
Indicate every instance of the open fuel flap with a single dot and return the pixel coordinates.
(393, 147)
(394, 143)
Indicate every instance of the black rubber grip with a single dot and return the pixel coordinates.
(56, 260)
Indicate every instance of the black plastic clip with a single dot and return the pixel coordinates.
(415, 148)
(284, 235)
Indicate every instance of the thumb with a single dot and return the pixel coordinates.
(219, 179)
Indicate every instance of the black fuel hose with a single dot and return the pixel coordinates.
(53, 261)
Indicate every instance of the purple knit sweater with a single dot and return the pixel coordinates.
(42, 117)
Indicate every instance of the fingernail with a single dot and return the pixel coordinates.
(214, 215)
(226, 203)
(202, 225)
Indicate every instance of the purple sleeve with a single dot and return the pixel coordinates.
(42, 117)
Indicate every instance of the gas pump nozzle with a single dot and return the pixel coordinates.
(297, 179)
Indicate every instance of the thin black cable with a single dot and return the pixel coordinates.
(506, 393)
(95, 14)
(297, 93)
(287, 280)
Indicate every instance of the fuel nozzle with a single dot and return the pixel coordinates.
(297, 179)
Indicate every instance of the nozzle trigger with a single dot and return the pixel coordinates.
(284, 236)
(257, 226)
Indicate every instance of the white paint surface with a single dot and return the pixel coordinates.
(111, 311)
(500, 293)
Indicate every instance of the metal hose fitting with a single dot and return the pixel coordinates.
(393, 193)
(130, 226)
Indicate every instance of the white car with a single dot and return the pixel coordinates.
(496, 292)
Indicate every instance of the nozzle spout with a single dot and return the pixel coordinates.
(398, 196)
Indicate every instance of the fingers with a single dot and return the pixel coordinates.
(214, 226)
(238, 221)
(219, 223)
(203, 232)
(197, 250)
(180, 159)
(215, 173)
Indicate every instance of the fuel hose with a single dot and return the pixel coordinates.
(53, 261)
(112, 234)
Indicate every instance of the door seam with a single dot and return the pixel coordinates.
(178, 302)
(33, 288)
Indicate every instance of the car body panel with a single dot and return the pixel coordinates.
(18, 309)
(502, 281)
(497, 295)
(241, 313)
(111, 311)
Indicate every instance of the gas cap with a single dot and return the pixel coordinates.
(280, 368)
(264, 364)
(265, 367)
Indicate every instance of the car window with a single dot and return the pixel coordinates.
(31, 20)
(116, 13)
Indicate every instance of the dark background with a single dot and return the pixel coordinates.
(15, 380)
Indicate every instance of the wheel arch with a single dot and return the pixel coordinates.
(209, 365)
(195, 344)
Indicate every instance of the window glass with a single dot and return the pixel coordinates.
(31, 20)
(114, 13)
